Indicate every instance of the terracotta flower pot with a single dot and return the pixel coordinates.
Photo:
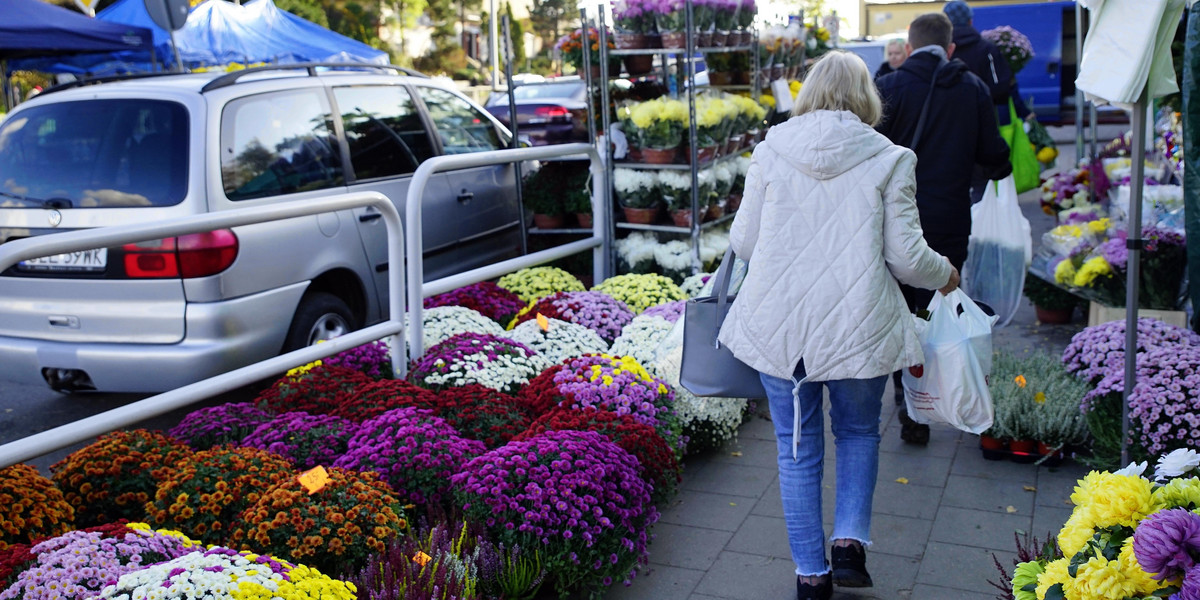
(720, 39)
(585, 220)
(993, 448)
(720, 78)
(745, 37)
(733, 202)
(751, 138)
(682, 218)
(714, 212)
(654, 40)
(1023, 451)
(776, 72)
(643, 216)
(659, 156)
(740, 78)
(734, 144)
(629, 41)
(704, 39)
(639, 64)
(674, 39)
(544, 221)
(1054, 316)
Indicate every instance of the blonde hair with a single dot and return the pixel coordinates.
(897, 42)
(840, 80)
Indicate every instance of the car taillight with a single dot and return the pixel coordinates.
(187, 256)
(552, 112)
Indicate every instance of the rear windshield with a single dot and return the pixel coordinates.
(95, 154)
(547, 90)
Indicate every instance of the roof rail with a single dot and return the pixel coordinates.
(106, 79)
(231, 78)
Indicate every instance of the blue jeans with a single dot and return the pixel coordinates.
(855, 405)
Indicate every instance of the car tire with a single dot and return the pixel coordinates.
(320, 316)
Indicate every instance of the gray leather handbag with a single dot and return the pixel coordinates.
(710, 369)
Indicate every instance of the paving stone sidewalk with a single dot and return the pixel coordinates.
(933, 537)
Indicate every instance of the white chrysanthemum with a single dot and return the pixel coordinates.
(637, 247)
(629, 181)
(675, 255)
(640, 340)
(709, 422)
(1133, 469)
(713, 244)
(1176, 463)
(199, 576)
(741, 165)
(694, 284)
(676, 182)
(443, 322)
(504, 373)
(561, 340)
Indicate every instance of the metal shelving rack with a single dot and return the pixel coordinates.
(685, 63)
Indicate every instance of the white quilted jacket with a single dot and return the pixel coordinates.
(828, 224)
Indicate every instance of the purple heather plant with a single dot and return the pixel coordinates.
(78, 564)
(306, 440)
(1167, 543)
(573, 494)
(225, 424)
(373, 359)
(1096, 350)
(486, 298)
(415, 452)
(670, 311)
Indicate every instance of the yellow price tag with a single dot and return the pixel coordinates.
(421, 558)
(314, 479)
(543, 322)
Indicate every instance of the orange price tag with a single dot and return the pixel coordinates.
(314, 479)
(421, 558)
(543, 322)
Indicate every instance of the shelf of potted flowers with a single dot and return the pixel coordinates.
(638, 194)
(635, 28)
(658, 127)
(571, 47)
(540, 194)
(739, 167)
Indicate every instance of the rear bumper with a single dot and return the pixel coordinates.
(221, 336)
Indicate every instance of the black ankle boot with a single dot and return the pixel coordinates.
(850, 567)
(822, 590)
(912, 431)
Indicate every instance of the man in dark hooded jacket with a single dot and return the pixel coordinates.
(957, 133)
(982, 57)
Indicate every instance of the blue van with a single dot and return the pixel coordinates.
(1049, 78)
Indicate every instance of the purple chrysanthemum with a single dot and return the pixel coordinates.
(670, 311)
(373, 359)
(1166, 541)
(225, 424)
(306, 440)
(1094, 351)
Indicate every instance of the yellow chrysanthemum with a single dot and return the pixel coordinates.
(794, 87)
(1076, 532)
(1056, 573)
(673, 110)
(642, 115)
(1067, 231)
(1098, 226)
(1064, 273)
(520, 313)
(1178, 493)
(1094, 267)
(1138, 578)
(1100, 579)
(1111, 499)
(1025, 574)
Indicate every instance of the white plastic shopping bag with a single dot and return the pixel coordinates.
(952, 387)
(1000, 250)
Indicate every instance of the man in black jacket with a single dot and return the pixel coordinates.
(954, 113)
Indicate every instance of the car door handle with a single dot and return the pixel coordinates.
(465, 196)
(373, 216)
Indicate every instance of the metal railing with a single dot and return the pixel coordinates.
(599, 242)
(74, 241)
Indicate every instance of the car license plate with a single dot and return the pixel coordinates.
(86, 260)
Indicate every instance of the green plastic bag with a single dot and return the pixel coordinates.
(1020, 152)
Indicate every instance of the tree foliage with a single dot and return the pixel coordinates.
(550, 17)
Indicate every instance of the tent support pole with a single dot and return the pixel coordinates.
(175, 48)
(1133, 241)
(1078, 92)
(6, 86)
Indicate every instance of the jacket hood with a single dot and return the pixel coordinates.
(966, 35)
(824, 144)
(923, 64)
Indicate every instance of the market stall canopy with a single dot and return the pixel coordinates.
(35, 28)
(219, 33)
(1128, 50)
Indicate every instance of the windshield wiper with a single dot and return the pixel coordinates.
(38, 202)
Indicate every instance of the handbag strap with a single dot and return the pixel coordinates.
(721, 290)
(925, 108)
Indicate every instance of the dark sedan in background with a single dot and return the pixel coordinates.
(550, 112)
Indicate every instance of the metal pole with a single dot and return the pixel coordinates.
(1093, 137)
(175, 48)
(587, 76)
(514, 142)
(689, 65)
(1078, 92)
(494, 49)
(1134, 243)
(606, 153)
(5, 86)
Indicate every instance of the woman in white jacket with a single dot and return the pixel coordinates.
(829, 224)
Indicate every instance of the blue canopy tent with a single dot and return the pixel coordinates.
(219, 33)
(34, 28)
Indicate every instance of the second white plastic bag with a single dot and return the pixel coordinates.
(951, 386)
(999, 252)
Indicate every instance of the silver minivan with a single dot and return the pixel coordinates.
(157, 315)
